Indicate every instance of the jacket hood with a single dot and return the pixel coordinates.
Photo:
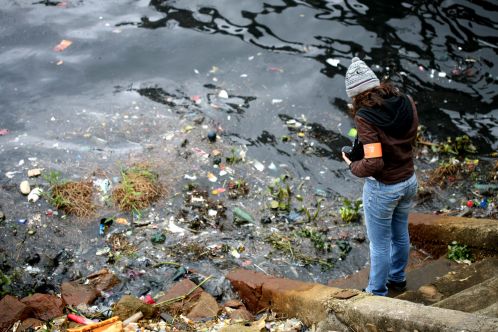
(395, 117)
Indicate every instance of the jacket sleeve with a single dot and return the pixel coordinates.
(367, 134)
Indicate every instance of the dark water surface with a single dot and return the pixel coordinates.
(270, 56)
(135, 65)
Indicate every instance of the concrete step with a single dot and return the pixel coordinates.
(481, 297)
(453, 282)
(435, 232)
(420, 270)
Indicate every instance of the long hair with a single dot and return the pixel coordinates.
(374, 97)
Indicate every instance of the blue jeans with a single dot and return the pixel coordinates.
(386, 210)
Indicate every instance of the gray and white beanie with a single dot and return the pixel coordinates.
(359, 78)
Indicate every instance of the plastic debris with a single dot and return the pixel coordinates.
(105, 224)
(223, 94)
(11, 174)
(148, 299)
(104, 185)
(173, 228)
(190, 177)
(158, 238)
(103, 251)
(4, 132)
(62, 45)
(259, 166)
(470, 203)
(200, 153)
(218, 191)
(110, 325)
(276, 101)
(294, 124)
(333, 62)
(35, 194)
(272, 166)
(352, 132)
(241, 216)
(79, 319)
(211, 177)
(122, 221)
(484, 204)
(441, 74)
(137, 316)
(180, 272)
(197, 99)
(212, 136)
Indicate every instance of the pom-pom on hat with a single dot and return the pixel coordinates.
(359, 78)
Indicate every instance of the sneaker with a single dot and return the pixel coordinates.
(398, 286)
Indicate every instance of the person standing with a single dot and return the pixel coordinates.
(386, 121)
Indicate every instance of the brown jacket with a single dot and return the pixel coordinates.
(396, 163)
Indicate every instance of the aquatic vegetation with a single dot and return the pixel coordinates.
(73, 197)
(281, 194)
(139, 187)
(350, 211)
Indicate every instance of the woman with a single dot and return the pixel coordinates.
(387, 122)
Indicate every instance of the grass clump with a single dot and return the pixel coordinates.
(139, 187)
(72, 197)
(458, 252)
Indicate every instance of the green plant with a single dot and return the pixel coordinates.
(4, 284)
(458, 252)
(281, 194)
(234, 158)
(312, 217)
(457, 146)
(350, 211)
(319, 241)
(53, 178)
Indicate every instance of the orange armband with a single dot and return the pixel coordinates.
(372, 150)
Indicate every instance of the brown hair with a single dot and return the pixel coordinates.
(374, 97)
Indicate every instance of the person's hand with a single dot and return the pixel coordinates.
(346, 159)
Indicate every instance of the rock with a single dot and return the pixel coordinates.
(197, 306)
(205, 307)
(74, 293)
(12, 310)
(234, 304)
(29, 324)
(34, 172)
(241, 314)
(129, 305)
(430, 293)
(103, 280)
(181, 288)
(44, 306)
(25, 187)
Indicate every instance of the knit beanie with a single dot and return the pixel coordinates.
(359, 78)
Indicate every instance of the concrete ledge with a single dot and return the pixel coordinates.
(314, 303)
(476, 233)
(289, 297)
(375, 313)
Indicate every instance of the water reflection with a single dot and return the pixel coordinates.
(442, 52)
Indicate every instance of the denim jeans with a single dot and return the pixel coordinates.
(386, 210)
